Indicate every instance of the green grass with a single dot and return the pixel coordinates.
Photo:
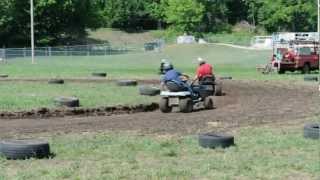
(240, 38)
(141, 65)
(227, 61)
(117, 37)
(30, 95)
(239, 63)
(259, 153)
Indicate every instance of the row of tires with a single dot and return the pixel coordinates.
(101, 74)
(95, 74)
(28, 148)
(75, 102)
(119, 82)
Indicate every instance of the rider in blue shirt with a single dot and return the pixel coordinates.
(174, 76)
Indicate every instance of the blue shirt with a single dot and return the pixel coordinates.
(172, 75)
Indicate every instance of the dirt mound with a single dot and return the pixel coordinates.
(62, 112)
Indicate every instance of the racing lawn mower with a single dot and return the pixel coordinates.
(178, 96)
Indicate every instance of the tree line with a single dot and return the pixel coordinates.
(66, 21)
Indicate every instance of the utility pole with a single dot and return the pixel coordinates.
(32, 31)
(319, 42)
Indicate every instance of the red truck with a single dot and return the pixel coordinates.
(300, 55)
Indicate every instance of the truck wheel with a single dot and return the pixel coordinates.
(281, 71)
(306, 69)
(218, 89)
(164, 105)
(208, 102)
(185, 105)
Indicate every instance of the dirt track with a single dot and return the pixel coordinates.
(245, 103)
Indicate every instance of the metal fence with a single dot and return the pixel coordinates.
(79, 50)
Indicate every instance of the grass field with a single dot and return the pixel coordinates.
(274, 152)
(239, 63)
(260, 153)
(30, 95)
(227, 61)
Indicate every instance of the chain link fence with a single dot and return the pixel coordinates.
(81, 50)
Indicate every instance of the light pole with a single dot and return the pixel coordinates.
(32, 31)
(319, 42)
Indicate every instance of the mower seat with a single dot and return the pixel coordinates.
(207, 80)
(175, 87)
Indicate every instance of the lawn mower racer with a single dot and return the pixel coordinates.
(206, 77)
(176, 91)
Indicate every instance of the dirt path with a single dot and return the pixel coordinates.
(245, 103)
(242, 47)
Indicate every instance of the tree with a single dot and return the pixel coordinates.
(56, 21)
(216, 15)
(283, 15)
(184, 15)
(293, 15)
(130, 15)
(156, 10)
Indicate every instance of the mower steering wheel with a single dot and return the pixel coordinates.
(185, 78)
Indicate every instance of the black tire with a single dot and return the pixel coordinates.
(208, 102)
(56, 81)
(312, 131)
(226, 78)
(4, 75)
(281, 71)
(127, 83)
(306, 69)
(218, 89)
(99, 74)
(185, 105)
(211, 140)
(67, 101)
(164, 105)
(311, 78)
(24, 149)
(149, 91)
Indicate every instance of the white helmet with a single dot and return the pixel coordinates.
(164, 61)
(201, 60)
(167, 66)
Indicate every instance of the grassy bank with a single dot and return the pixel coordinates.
(260, 153)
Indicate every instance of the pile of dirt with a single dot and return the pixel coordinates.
(62, 112)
